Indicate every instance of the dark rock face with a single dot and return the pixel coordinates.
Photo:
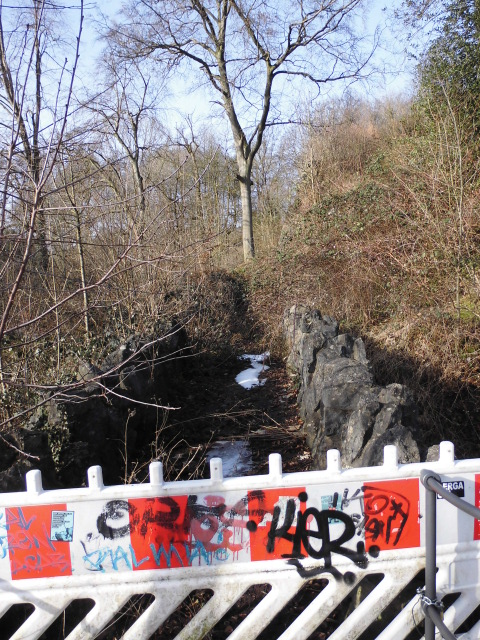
(103, 419)
(21, 452)
(339, 402)
(113, 414)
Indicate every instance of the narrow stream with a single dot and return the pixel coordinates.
(236, 457)
(236, 454)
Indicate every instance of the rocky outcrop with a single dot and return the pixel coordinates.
(113, 411)
(340, 403)
(21, 451)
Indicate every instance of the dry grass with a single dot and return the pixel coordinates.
(392, 252)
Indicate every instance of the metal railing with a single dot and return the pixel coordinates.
(432, 607)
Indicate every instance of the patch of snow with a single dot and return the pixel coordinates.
(236, 456)
(250, 377)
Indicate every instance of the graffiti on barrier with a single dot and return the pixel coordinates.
(31, 551)
(167, 532)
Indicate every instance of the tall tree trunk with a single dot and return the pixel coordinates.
(139, 185)
(247, 217)
(81, 259)
(35, 151)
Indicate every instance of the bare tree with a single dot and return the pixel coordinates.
(47, 218)
(33, 124)
(30, 157)
(23, 41)
(243, 49)
(124, 113)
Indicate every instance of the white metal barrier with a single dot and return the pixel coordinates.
(357, 534)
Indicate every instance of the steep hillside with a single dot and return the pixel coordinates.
(389, 244)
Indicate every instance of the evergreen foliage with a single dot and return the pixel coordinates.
(450, 69)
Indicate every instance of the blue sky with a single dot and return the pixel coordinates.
(396, 80)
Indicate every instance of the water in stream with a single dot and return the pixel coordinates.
(236, 454)
(236, 457)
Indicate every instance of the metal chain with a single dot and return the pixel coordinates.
(426, 602)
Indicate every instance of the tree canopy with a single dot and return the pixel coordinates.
(243, 50)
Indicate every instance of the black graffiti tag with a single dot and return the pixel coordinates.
(301, 537)
(283, 531)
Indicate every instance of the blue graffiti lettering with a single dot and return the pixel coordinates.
(222, 555)
(197, 551)
(120, 556)
(19, 520)
(3, 547)
(27, 541)
(162, 552)
(95, 560)
(40, 562)
(136, 563)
